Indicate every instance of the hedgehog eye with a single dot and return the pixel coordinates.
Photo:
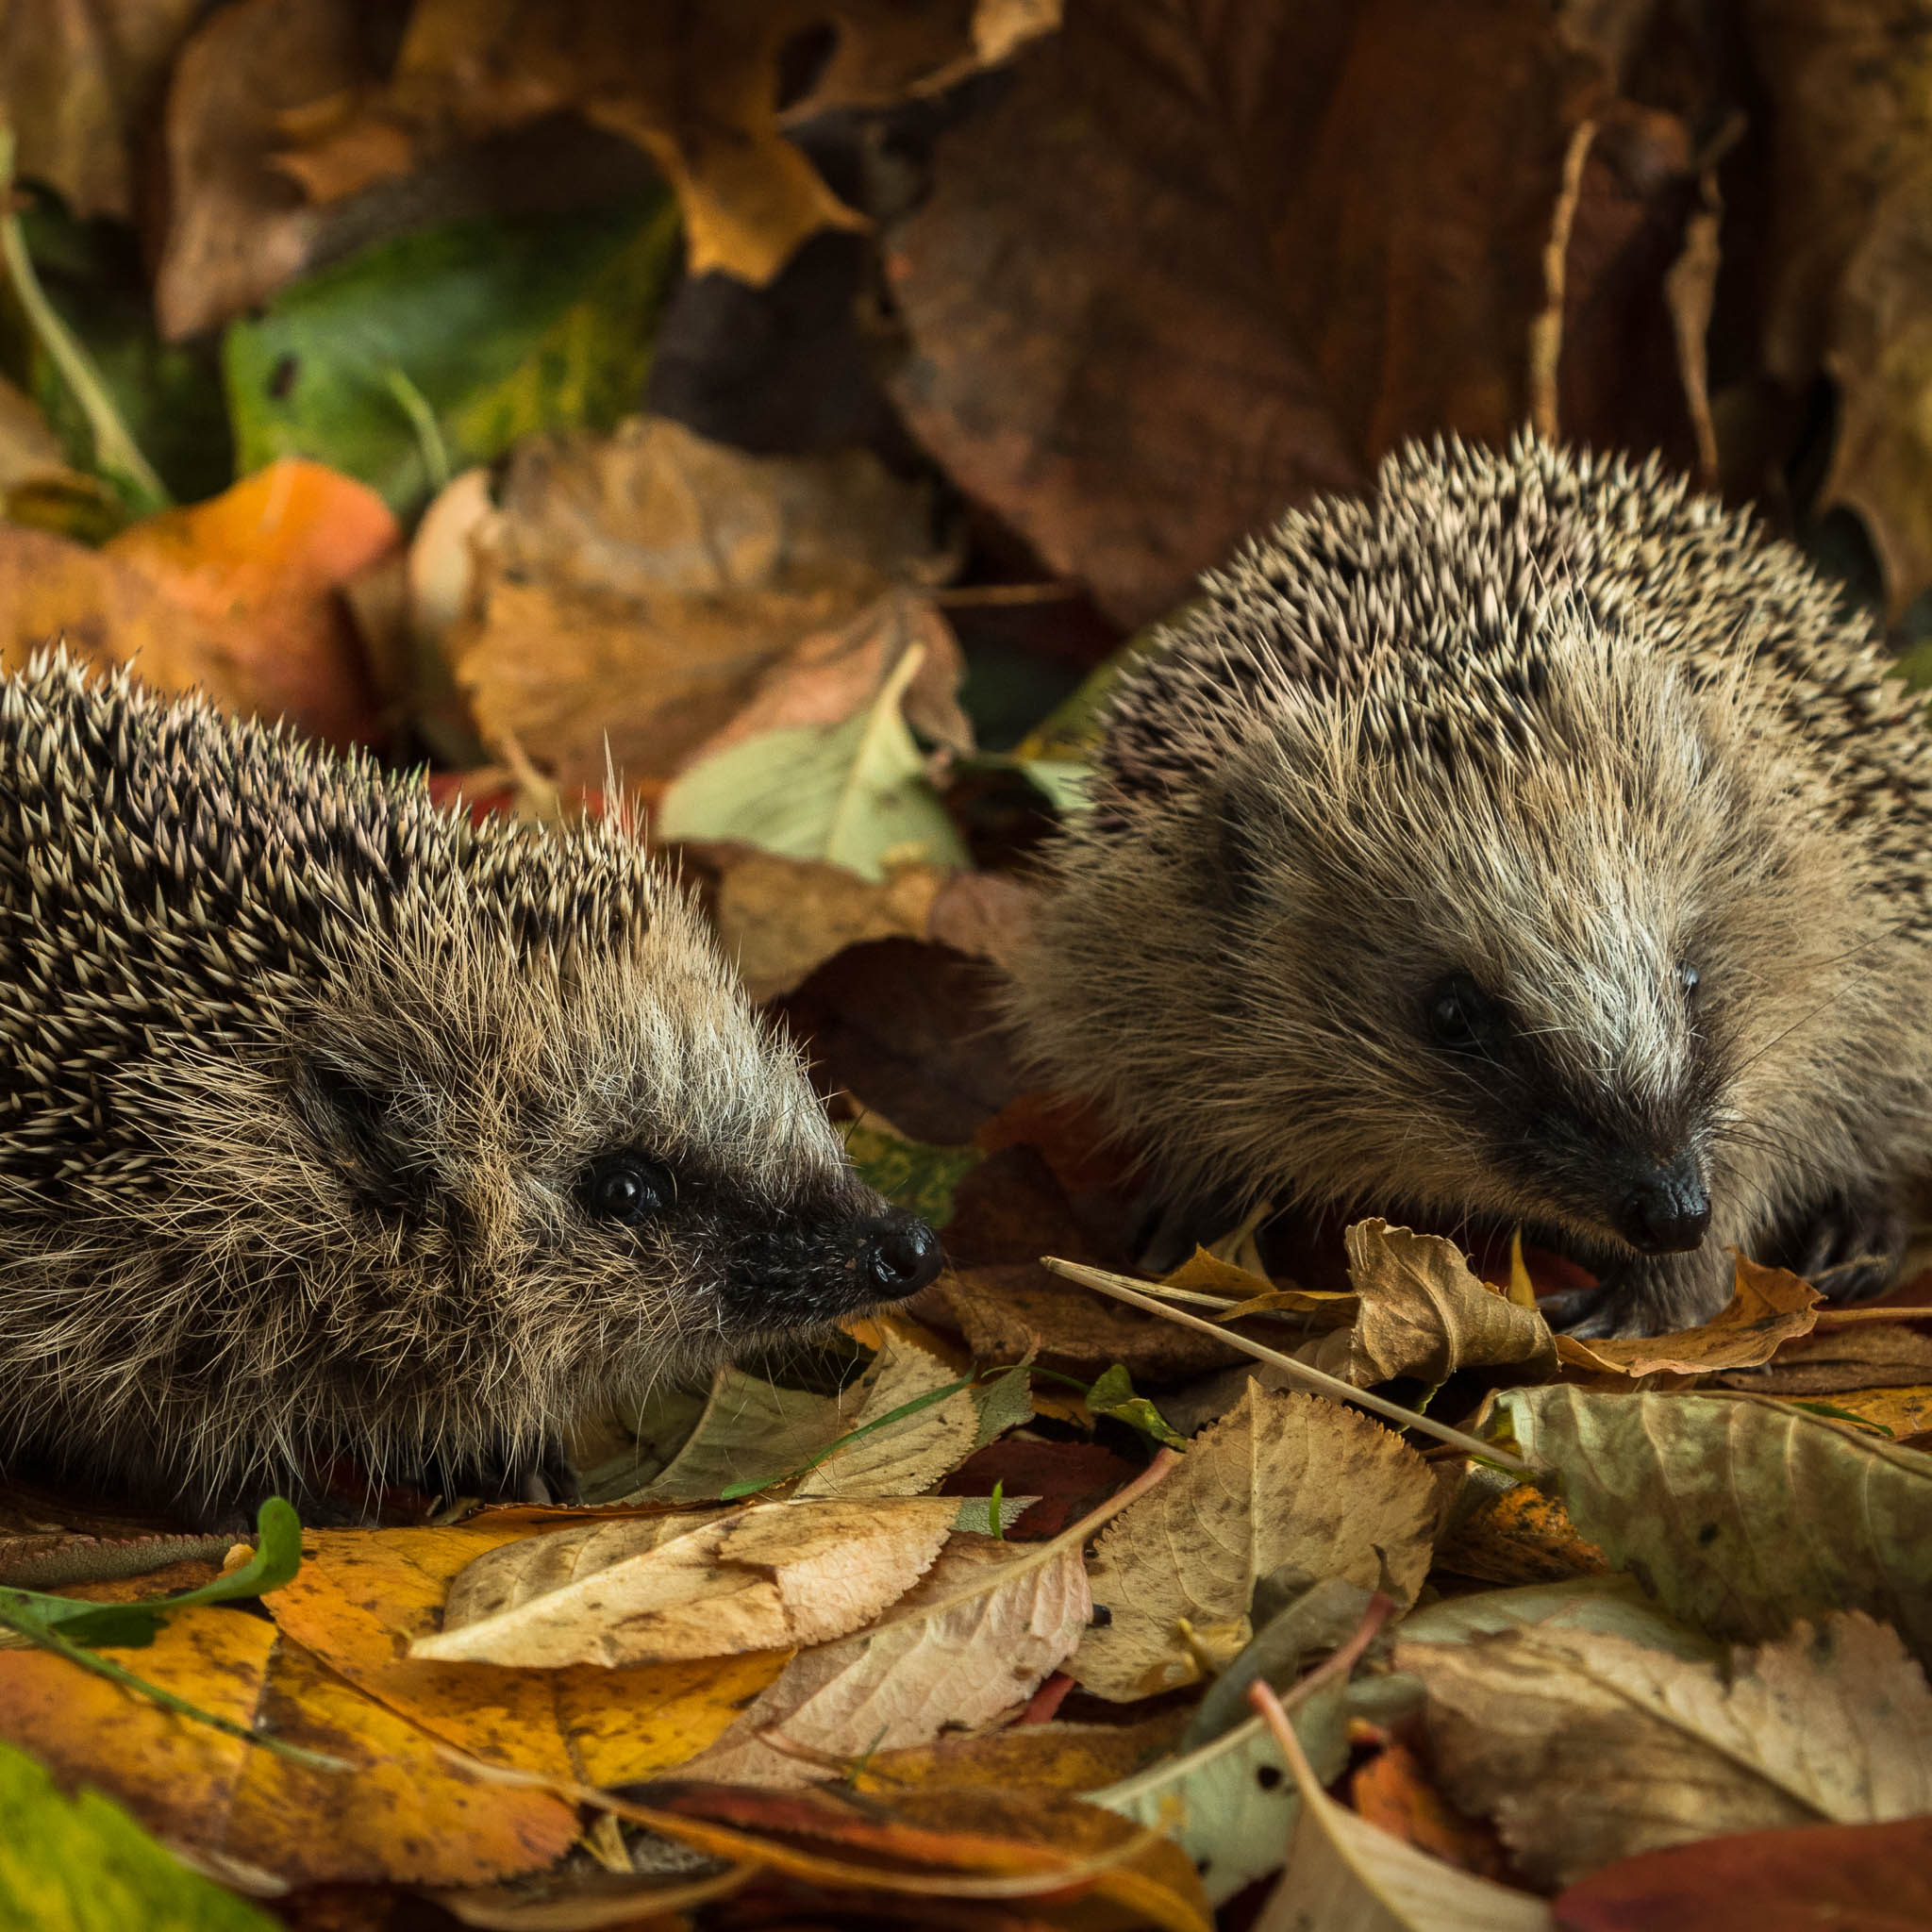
(1462, 1018)
(1689, 979)
(628, 1188)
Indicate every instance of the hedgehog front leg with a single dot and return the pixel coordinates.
(1656, 1296)
(1848, 1246)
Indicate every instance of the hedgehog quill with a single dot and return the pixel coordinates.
(335, 1126)
(1533, 843)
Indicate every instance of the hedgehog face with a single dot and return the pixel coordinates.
(1521, 985)
(540, 1184)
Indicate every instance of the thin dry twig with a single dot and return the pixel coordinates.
(1318, 1382)
(1546, 326)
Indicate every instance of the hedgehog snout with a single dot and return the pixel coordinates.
(900, 1257)
(1665, 1207)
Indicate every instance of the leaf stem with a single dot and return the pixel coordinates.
(1318, 1382)
(116, 452)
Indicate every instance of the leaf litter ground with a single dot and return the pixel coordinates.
(1025, 1608)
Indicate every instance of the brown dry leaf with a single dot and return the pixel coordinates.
(908, 1457)
(80, 81)
(780, 919)
(764, 1578)
(360, 1597)
(1343, 1873)
(1850, 94)
(910, 1031)
(1034, 1843)
(1588, 1748)
(634, 590)
(1069, 1757)
(984, 914)
(403, 1814)
(697, 89)
(28, 449)
(106, 611)
(834, 675)
(753, 1429)
(1834, 1359)
(1423, 1312)
(236, 230)
(1619, 378)
(1192, 268)
(1006, 1310)
(260, 567)
(971, 1641)
(1285, 1483)
(1770, 1305)
(1210, 1274)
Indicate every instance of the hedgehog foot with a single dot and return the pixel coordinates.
(1848, 1246)
(1656, 1296)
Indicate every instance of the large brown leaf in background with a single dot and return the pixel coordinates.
(1201, 262)
(1850, 282)
(81, 79)
(636, 589)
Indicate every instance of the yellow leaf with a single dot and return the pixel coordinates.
(403, 1814)
(360, 1597)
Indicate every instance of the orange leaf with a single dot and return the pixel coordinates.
(1393, 1792)
(361, 1596)
(106, 611)
(403, 1814)
(260, 567)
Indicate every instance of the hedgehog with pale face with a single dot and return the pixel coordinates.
(334, 1128)
(1532, 845)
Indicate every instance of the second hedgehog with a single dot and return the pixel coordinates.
(332, 1127)
(1533, 844)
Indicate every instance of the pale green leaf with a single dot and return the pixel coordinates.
(854, 794)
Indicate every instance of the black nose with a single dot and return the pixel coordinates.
(901, 1257)
(1668, 1208)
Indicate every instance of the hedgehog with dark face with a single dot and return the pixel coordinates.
(1534, 844)
(335, 1127)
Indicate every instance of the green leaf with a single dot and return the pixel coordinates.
(911, 1175)
(132, 1626)
(1113, 1394)
(78, 333)
(1739, 1515)
(1004, 1404)
(438, 350)
(81, 1864)
(854, 794)
(1237, 1803)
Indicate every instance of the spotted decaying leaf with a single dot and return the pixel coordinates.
(1283, 1483)
(1585, 1748)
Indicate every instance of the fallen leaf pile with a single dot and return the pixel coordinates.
(777, 424)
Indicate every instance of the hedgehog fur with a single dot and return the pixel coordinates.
(1532, 843)
(333, 1126)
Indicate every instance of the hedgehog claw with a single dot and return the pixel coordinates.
(1849, 1249)
(1596, 1314)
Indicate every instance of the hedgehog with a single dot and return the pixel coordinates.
(338, 1131)
(1534, 845)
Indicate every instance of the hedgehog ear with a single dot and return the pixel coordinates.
(356, 1127)
(1243, 824)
